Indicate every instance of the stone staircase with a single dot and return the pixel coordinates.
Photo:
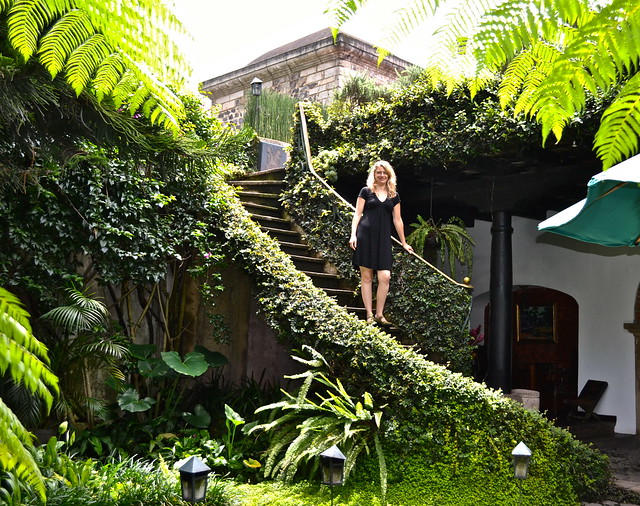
(260, 194)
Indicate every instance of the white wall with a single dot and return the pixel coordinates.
(603, 281)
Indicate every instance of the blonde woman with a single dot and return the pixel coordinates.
(377, 208)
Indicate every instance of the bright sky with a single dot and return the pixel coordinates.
(228, 34)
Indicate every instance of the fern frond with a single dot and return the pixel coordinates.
(26, 22)
(69, 32)
(108, 75)
(84, 62)
(340, 11)
(617, 137)
(15, 443)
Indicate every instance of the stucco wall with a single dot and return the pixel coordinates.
(603, 281)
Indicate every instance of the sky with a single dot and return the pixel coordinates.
(228, 34)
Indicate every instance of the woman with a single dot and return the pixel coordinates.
(378, 207)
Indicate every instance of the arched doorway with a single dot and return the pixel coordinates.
(545, 346)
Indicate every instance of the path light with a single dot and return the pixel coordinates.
(521, 457)
(194, 476)
(332, 463)
(256, 87)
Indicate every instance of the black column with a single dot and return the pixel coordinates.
(501, 286)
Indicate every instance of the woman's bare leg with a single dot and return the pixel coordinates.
(366, 289)
(383, 290)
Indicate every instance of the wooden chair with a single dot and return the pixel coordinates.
(588, 399)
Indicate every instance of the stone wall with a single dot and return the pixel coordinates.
(309, 70)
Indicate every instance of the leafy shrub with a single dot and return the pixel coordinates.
(454, 424)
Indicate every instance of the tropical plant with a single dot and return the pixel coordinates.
(305, 424)
(103, 47)
(552, 54)
(25, 358)
(83, 347)
(450, 239)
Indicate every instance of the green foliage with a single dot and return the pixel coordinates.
(270, 114)
(25, 359)
(451, 423)
(554, 56)
(83, 346)
(430, 309)
(357, 91)
(116, 481)
(314, 419)
(450, 239)
(102, 47)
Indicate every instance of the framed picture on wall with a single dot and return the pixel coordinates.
(536, 323)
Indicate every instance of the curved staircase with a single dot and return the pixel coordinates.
(260, 195)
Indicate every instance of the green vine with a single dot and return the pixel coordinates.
(430, 309)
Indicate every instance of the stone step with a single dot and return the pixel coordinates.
(272, 222)
(283, 235)
(267, 199)
(271, 174)
(262, 209)
(263, 186)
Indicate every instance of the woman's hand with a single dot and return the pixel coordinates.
(353, 242)
(407, 247)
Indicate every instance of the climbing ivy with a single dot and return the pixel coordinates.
(430, 309)
(437, 425)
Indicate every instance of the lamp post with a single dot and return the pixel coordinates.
(194, 479)
(256, 91)
(332, 463)
(521, 458)
(256, 87)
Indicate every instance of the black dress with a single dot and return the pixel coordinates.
(373, 249)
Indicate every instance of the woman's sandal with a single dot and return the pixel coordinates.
(371, 319)
(382, 320)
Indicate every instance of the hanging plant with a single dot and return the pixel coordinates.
(449, 241)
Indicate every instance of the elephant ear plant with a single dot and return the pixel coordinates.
(162, 379)
(319, 415)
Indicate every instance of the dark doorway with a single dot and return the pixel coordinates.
(545, 346)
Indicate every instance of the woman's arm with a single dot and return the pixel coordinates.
(357, 215)
(399, 225)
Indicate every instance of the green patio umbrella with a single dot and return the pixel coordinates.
(610, 215)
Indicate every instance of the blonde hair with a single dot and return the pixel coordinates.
(391, 181)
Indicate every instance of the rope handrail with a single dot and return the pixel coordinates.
(307, 149)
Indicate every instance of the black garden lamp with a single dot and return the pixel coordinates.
(256, 87)
(521, 457)
(332, 463)
(194, 476)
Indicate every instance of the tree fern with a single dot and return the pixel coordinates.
(79, 37)
(591, 46)
(25, 358)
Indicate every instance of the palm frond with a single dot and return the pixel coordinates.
(82, 313)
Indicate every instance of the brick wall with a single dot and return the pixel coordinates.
(310, 70)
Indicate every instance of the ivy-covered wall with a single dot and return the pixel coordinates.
(448, 432)
(431, 310)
